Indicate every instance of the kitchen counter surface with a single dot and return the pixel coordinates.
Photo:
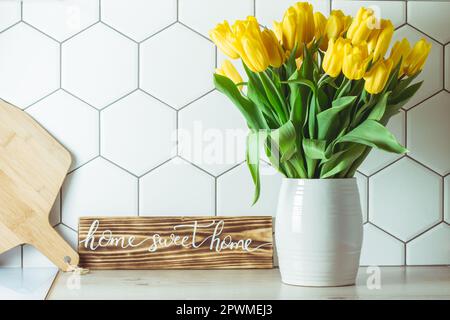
(372, 283)
(26, 283)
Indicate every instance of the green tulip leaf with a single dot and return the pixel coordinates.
(252, 114)
(379, 109)
(343, 102)
(402, 84)
(257, 96)
(308, 65)
(395, 104)
(304, 82)
(328, 120)
(252, 159)
(406, 94)
(274, 96)
(312, 112)
(290, 64)
(341, 161)
(285, 138)
(314, 148)
(298, 106)
(373, 134)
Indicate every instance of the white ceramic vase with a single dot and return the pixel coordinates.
(318, 231)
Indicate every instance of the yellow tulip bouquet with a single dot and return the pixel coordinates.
(320, 91)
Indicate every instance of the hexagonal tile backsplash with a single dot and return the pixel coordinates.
(112, 79)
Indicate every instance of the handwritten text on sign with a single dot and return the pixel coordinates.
(175, 242)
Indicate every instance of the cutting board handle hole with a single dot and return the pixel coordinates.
(67, 259)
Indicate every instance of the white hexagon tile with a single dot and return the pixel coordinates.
(380, 248)
(405, 199)
(177, 61)
(432, 247)
(138, 133)
(438, 26)
(29, 62)
(235, 192)
(140, 19)
(428, 123)
(377, 159)
(176, 188)
(63, 115)
(98, 188)
(9, 13)
(99, 65)
(112, 80)
(218, 11)
(268, 10)
(393, 10)
(61, 19)
(432, 73)
(212, 133)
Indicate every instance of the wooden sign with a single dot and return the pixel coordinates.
(175, 242)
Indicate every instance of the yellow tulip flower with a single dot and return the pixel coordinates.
(337, 24)
(372, 40)
(239, 27)
(377, 76)
(400, 50)
(273, 47)
(332, 61)
(254, 54)
(331, 28)
(228, 70)
(319, 23)
(380, 39)
(288, 28)
(356, 60)
(417, 57)
(278, 30)
(223, 37)
(305, 18)
(244, 40)
(249, 44)
(297, 27)
(361, 26)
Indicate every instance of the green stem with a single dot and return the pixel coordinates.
(344, 85)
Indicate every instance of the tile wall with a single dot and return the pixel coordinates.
(112, 80)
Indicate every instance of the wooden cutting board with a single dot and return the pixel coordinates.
(33, 166)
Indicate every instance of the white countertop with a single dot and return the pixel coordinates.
(26, 283)
(47, 283)
(395, 283)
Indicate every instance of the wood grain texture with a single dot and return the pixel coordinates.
(144, 229)
(33, 166)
